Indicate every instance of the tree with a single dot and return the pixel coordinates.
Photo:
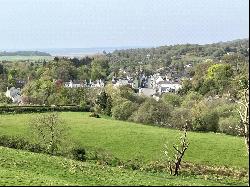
(124, 110)
(153, 112)
(174, 164)
(99, 69)
(49, 130)
(1, 69)
(178, 117)
(243, 111)
(171, 98)
(221, 75)
(104, 103)
(204, 116)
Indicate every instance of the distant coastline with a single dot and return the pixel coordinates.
(71, 52)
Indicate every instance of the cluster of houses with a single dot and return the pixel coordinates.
(152, 86)
(14, 94)
(81, 84)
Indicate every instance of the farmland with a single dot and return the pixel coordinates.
(25, 168)
(125, 140)
(135, 141)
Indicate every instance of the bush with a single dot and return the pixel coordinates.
(231, 126)
(79, 154)
(19, 143)
(124, 110)
(4, 99)
(207, 122)
(94, 114)
(172, 99)
(153, 112)
(103, 157)
(35, 109)
(179, 117)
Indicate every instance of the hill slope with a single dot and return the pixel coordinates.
(129, 141)
(25, 168)
(24, 53)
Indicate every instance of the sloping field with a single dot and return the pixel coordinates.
(129, 141)
(25, 168)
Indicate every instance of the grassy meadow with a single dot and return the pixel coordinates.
(25, 168)
(129, 141)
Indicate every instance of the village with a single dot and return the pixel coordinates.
(151, 86)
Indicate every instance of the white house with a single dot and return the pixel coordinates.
(169, 87)
(97, 84)
(72, 84)
(123, 82)
(149, 92)
(14, 94)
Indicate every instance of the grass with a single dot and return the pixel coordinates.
(24, 168)
(21, 58)
(128, 141)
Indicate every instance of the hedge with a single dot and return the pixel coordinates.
(34, 109)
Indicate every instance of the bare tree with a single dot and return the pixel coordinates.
(243, 111)
(175, 164)
(49, 130)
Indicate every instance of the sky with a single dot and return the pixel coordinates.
(30, 24)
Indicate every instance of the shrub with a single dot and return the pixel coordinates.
(153, 112)
(94, 114)
(230, 125)
(172, 99)
(179, 117)
(4, 99)
(207, 122)
(19, 143)
(35, 109)
(79, 153)
(124, 110)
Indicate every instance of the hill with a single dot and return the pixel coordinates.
(24, 53)
(131, 141)
(25, 168)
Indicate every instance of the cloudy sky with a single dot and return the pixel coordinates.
(113, 23)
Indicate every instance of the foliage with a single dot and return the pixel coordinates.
(230, 125)
(153, 112)
(179, 117)
(220, 75)
(48, 129)
(94, 114)
(124, 110)
(99, 69)
(104, 103)
(38, 109)
(172, 99)
(4, 99)
(205, 117)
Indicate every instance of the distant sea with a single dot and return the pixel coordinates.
(75, 52)
(81, 52)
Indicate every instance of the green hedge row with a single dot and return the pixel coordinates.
(34, 109)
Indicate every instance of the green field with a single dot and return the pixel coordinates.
(127, 140)
(25, 168)
(21, 58)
